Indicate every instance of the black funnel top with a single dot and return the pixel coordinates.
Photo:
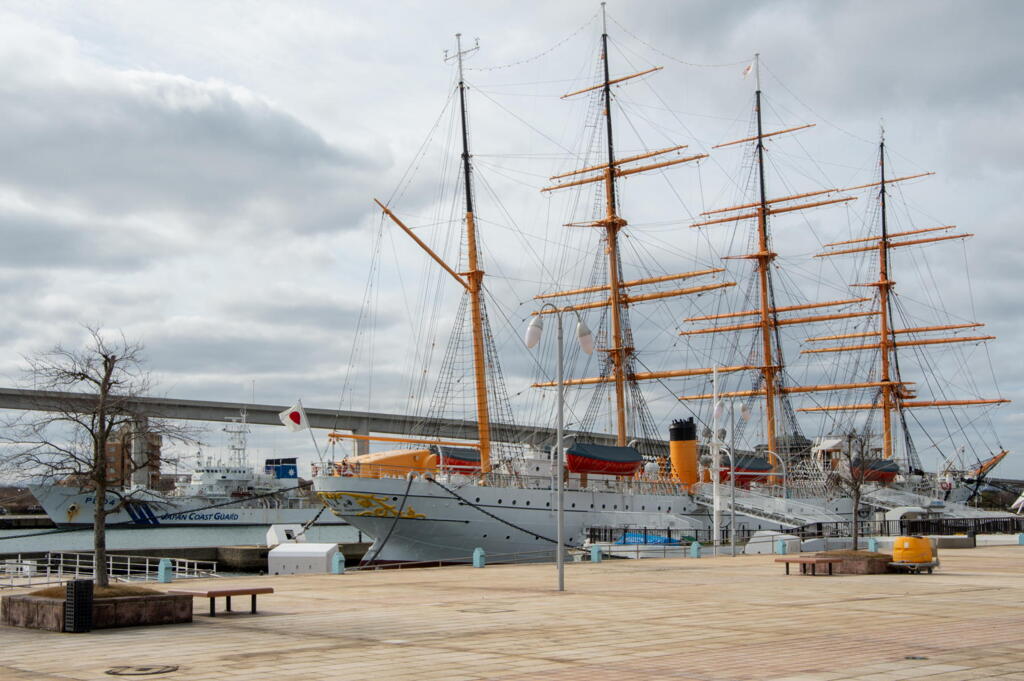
(682, 430)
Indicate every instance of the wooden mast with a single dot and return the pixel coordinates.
(764, 257)
(475, 278)
(894, 393)
(472, 280)
(885, 339)
(612, 224)
(619, 349)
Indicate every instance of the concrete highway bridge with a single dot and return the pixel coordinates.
(356, 422)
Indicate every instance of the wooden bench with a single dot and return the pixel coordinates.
(813, 561)
(213, 594)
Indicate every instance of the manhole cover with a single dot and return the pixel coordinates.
(148, 670)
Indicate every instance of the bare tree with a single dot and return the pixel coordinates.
(852, 470)
(93, 389)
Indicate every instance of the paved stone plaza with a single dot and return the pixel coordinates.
(708, 619)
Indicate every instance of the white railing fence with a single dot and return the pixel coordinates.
(63, 566)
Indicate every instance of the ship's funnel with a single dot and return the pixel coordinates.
(682, 449)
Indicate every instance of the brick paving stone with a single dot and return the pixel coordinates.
(724, 619)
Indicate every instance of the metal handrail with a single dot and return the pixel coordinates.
(57, 567)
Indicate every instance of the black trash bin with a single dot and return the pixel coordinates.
(78, 606)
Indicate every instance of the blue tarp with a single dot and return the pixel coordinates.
(642, 538)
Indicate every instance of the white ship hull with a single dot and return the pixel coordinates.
(72, 507)
(422, 521)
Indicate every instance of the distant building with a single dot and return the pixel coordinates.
(133, 458)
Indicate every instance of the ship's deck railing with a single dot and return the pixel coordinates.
(461, 474)
(57, 567)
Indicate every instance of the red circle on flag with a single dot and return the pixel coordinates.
(296, 417)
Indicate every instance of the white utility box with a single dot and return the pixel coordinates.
(304, 558)
(284, 534)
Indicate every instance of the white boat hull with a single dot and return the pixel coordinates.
(72, 507)
(421, 521)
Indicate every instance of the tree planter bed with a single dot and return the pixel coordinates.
(38, 612)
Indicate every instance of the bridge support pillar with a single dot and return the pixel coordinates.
(361, 446)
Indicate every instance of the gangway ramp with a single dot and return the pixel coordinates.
(892, 497)
(770, 508)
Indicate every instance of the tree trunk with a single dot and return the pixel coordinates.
(856, 517)
(99, 536)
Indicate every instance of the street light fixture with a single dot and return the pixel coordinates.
(586, 340)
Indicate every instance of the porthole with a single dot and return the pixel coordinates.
(659, 508)
(643, 508)
(615, 507)
(507, 537)
(394, 498)
(485, 536)
(547, 503)
(591, 506)
(527, 502)
(602, 505)
(574, 505)
(513, 502)
(499, 501)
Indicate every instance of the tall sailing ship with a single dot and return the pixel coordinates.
(436, 500)
(444, 499)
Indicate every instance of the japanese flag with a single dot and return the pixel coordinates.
(746, 71)
(294, 418)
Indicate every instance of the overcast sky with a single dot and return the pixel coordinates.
(200, 175)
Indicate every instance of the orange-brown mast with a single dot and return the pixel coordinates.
(471, 280)
(893, 392)
(764, 256)
(885, 340)
(619, 349)
(475, 277)
(612, 224)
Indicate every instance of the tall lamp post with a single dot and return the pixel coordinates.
(586, 341)
(732, 499)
